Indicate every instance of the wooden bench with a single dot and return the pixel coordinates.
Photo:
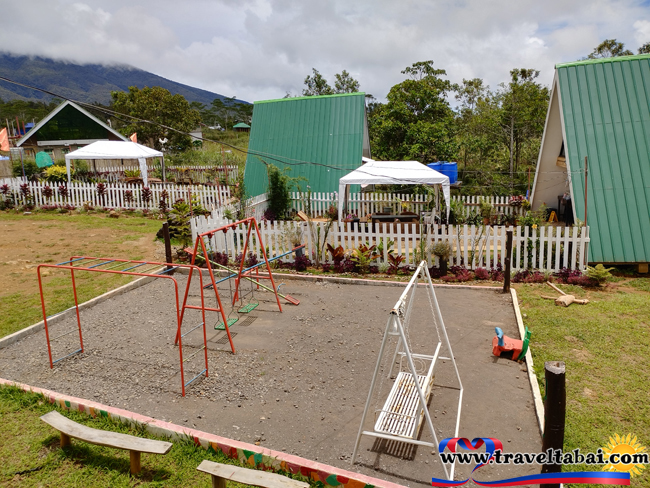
(223, 472)
(136, 445)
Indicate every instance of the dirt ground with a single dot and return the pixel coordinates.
(27, 242)
(299, 380)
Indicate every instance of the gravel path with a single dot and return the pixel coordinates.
(300, 379)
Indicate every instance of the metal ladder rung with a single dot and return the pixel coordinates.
(196, 377)
(136, 266)
(121, 263)
(66, 356)
(101, 264)
(68, 262)
(65, 334)
(194, 354)
(183, 335)
(149, 270)
(85, 265)
(168, 270)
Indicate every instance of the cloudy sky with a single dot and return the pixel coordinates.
(262, 49)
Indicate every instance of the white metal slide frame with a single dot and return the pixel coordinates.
(405, 409)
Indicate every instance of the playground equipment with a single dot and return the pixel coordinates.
(247, 271)
(163, 270)
(406, 407)
(509, 348)
(201, 250)
(151, 269)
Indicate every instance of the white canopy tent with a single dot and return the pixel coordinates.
(115, 150)
(393, 173)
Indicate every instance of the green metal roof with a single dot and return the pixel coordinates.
(320, 138)
(615, 59)
(241, 125)
(69, 121)
(605, 106)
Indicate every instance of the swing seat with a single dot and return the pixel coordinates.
(249, 307)
(220, 325)
(402, 414)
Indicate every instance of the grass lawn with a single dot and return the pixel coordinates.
(605, 346)
(51, 238)
(31, 455)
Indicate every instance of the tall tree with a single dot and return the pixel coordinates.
(473, 139)
(417, 121)
(609, 48)
(158, 107)
(345, 83)
(521, 111)
(645, 49)
(316, 84)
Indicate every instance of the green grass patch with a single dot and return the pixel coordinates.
(32, 457)
(21, 310)
(24, 309)
(642, 284)
(604, 345)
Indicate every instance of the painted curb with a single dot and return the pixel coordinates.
(249, 454)
(532, 378)
(38, 326)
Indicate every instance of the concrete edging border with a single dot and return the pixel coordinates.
(252, 455)
(537, 395)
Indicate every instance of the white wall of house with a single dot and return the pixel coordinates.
(550, 177)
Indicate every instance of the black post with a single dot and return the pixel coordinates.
(506, 273)
(168, 244)
(554, 415)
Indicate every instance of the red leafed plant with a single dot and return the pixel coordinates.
(394, 261)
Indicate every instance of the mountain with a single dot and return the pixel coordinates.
(84, 82)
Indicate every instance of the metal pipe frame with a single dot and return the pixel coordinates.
(97, 269)
(394, 326)
(250, 224)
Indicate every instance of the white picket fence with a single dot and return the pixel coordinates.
(114, 173)
(254, 207)
(471, 204)
(548, 248)
(115, 196)
(361, 204)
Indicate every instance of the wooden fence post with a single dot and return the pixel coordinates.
(506, 272)
(168, 244)
(554, 415)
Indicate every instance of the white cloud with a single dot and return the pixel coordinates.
(257, 49)
(642, 31)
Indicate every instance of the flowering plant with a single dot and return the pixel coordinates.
(516, 201)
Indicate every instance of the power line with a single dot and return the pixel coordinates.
(277, 158)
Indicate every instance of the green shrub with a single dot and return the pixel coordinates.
(56, 174)
(31, 168)
(600, 273)
(278, 194)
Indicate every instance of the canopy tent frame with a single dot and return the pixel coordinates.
(116, 150)
(392, 173)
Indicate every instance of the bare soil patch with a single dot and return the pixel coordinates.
(28, 242)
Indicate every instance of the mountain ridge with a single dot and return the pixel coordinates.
(84, 82)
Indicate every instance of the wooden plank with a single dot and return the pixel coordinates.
(249, 476)
(104, 438)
